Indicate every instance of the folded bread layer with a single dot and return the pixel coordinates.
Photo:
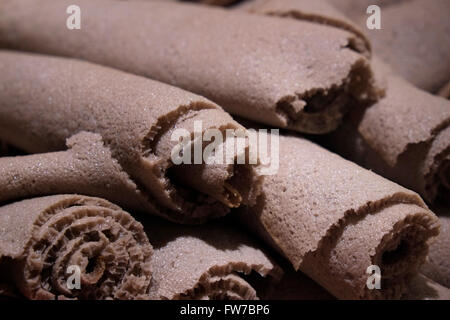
(333, 219)
(319, 11)
(398, 135)
(418, 52)
(212, 261)
(45, 241)
(270, 70)
(46, 100)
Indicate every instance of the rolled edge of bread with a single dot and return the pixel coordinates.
(135, 118)
(40, 238)
(211, 261)
(292, 81)
(316, 11)
(382, 137)
(333, 219)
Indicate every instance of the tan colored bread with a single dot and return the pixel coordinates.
(415, 41)
(40, 238)
(212, 261)
(333, 219)
(384, 141)
(319, 11)
(269, 70)
(45, 100)
(405, 137)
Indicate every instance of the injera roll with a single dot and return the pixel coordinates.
(319, 11)
(274, 71)
(211, 261)
(87, 167)
(45, 100)
(415, 41)
(437, 266)
(333, 219)
(405, 137)
(40, 238)
(384, 140)
(423, 288)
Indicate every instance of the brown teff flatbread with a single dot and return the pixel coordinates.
(405, 137)
(319, 11)
(275, 71)
(212, 261)
(41, 238)
(46, 100)
(415, 41)
(333, 219)
(87, 167)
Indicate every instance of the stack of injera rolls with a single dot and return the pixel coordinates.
(41, 238)
(332, 220)
(46, 100)
(315, 11)
(405, 136)
(278, 72)
(414, 40)
(382, 138)
(211, 261)
(296, 65)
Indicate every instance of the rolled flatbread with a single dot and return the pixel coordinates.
(46, 100)
(333, 220)
(381, 138)
(319, 11)
(87, 167)
(274, 71)
(415, 41)
(400, 138)
(42, 238)
(212, 261)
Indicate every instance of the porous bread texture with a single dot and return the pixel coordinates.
(318, 11)
(382, 137)
(333, 219)
(41, 237)
(414, 41)
(212, 261)
(266, 69)
(45, 100)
